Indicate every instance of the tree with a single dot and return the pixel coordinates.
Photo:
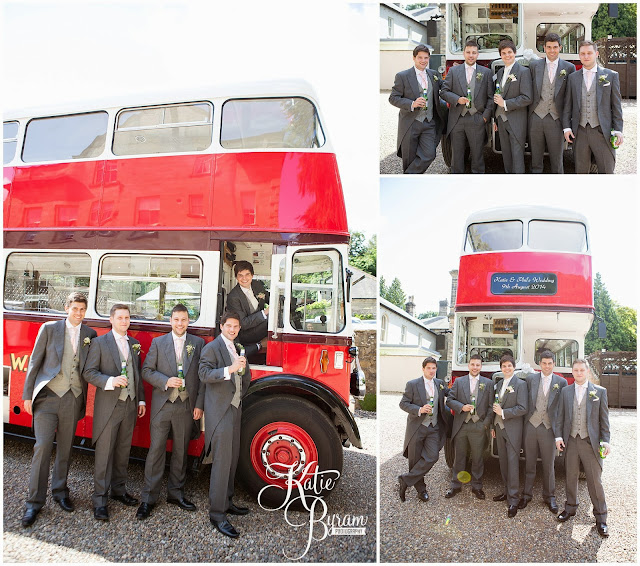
(622, 26)
(394, 293)
(363, 255)
(620, 321)
(383, 287)
(428, 314)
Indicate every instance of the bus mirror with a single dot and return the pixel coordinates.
(602, 330)
(349, 274)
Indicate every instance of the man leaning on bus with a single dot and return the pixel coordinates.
(171, 367)
(583, 422)
(539, 430)
(113, 367)
(56, 395)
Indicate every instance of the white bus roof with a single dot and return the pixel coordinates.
(250, 89)
(525, 212)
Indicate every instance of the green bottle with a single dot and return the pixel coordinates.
(123, 371)
(498, 91)
(426, 100)
(602, 449)
(469, 97)
(180, 376)
(241, 371)
(614, 141)
(497, 399)
(473, 402)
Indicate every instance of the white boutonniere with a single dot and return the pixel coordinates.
(556, 387)
(136, 349)
(481, 386)
(563, 73)
(593, 395)
(509, 389)
(86, 341)
(190, 349)
(478, 76)
(260, 296)
(602, 79)
(441, 387)
(436, 78)
(512, 78)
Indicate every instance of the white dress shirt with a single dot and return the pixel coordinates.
(122, 341)
(429, 385)
(551, 69)
(231, 347)
(74, 334)
(423, 80)
(546, 382)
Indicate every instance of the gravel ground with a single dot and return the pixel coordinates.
(390, 163)
(479, 531)
(174, 535)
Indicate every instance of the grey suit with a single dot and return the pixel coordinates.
(113, 419)
(585, 450)
(166, 415)
(509, 438)
(222, 423)
(540, 439)
(513, 131)
(417, 141)
(253, 323)
(594, 140)
(472, 126)
(422, 444)
(54, 417)
(470, 435)
(548, 128)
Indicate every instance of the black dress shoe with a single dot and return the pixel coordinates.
(423, 496)
(101, 513)
(29, 517)
(512, 511)
(553, 506)
(565, 516)
(452, 492)
(479, 493)
(523, 502)
(183, 504)
(402, 489)
(501, 497)
(226, 528)
(603, 530)
(144, 510)
(235, 510)
(66, 504)
(126, 499)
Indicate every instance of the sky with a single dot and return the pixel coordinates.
(58, 52)
(423, 218)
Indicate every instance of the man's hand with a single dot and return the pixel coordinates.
(497, 409)
(495, 126)
(467, 408)
(607, 449)
(497, 98)
(119, 381)
(419, 102)
(425, 410)
(197, 414)
(239, 363)
(463, 100)
(493, 433)
(28, 407)
(174, 382)
(266, 311)
(620, 138)
(568, 135)
(142, 409)
(560, 445)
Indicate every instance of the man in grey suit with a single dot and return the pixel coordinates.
(248, 299)
(510, 406)
(171, 367)
(226, 376)
(468, 116)
(593, 112)
(470, 399)
(427, 422)
(56, 395)
(549, 78)
(113, 367)
(583, 421)
(422, 117)
(539, 430)
(514, 82)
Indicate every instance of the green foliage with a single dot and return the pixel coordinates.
(363, 255)
(428, 314)
(622, 26)
(621, 323)
(367, 316)
(394, 293)
(368, 403)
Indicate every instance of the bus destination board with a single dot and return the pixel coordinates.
(524, 283)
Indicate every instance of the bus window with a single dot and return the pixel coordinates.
(565, 351)
(277, 293)
(317, 294)
(10, 141)
(551, 235)
(270, 123)
(150, 284)
(487, 24)
(494, 236)
(489, 336)
(570, 36)
(42, 281)
(163, 129)
(64, 138)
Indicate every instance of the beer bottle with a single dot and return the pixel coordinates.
(469, 100)
(614, 141)
(123, 371)
(241, 371)
(602, 455)
(426, 100)
(473, 402)
(181, 376)
(498, 91)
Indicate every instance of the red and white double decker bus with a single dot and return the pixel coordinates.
(524, 286)
(147, 201)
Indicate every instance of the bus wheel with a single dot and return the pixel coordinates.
(286, 438)
(445, 145)
(449, 452)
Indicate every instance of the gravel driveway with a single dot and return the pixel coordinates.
(174, 535)
(479, 531)
(390, 163)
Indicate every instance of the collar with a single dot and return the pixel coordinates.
(506, 381)
(70, 326)
(245, 290)
(419, 71)
(431, 380)
(552, 62)
(584, 385)
(507, 70)
(469, 66)
(227, 342)
(119, 336)
(543, 376)
(593, 69)
(176, 337)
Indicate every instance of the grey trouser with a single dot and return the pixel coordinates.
(547, 130)
(471, 128)
(471, 435)
(423, 454)
(509, 466)
(591, 140)
(419, 147)
(580, 450)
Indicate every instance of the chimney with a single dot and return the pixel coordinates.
(454, 288)
(443, 308)
(410, 306)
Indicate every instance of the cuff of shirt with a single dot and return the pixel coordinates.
(559, 439)
(227, 374)
(616, 133)
(567, 130)
(142, 404)
(264, 314)
(109, 386)
(505, 105)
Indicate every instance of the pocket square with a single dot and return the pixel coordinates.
(606, 84)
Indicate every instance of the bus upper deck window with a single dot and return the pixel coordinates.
(65, 138)
(494, 236)
(558, 236)
(10, 141)
(270, 123)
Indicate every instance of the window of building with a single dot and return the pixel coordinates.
(172, 128)
(270, 123)
(65, 138)
(42, 281)
(403, 334)
(565, 351)
(494, 236)
(389, 26)
(150, 284)
(10, 141)
(504, 338)
(558, 236)
(384, 328)
(317, 294)
(570, 36)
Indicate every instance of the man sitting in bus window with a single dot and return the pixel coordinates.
(592, 117)
(539, 430)
(248, 299)
(56, 395)
(512, 96)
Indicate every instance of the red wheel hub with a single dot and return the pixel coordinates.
(280, 450)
